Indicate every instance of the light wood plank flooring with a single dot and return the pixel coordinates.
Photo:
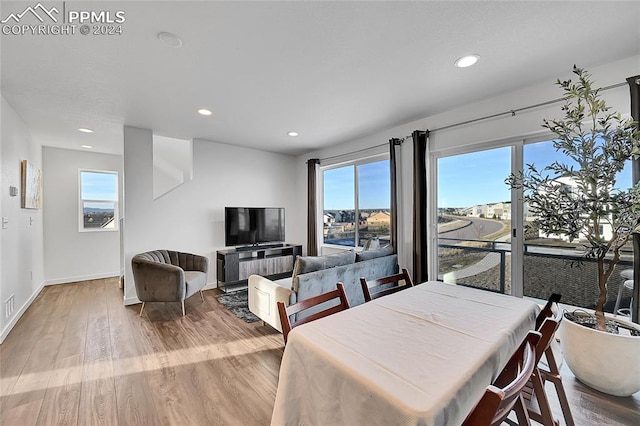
(79, 357)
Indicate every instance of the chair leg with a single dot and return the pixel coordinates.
(618, 299)
(545, 416)
(202, 296)
(556, 378)
(142, 309)
(183, 308)
(521, 412)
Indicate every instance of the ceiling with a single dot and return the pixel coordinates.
(331, 71)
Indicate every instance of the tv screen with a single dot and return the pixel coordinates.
(253, 225)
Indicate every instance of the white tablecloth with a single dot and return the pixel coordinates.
(421, 356)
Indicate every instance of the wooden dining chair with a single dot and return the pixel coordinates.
(287, 311)
(505, 394)
(550, 309)
(536, 398)
(381, 287)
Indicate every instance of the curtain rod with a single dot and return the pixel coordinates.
(511, 112)
(353, 152)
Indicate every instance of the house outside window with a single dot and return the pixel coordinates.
(357, 203)
(98, 203)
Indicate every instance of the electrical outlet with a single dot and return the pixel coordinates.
(8, 307)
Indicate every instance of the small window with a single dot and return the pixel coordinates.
(98, 201)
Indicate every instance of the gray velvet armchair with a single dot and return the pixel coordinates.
(168, 276)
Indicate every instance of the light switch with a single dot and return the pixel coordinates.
(30, 220)
(5, 222)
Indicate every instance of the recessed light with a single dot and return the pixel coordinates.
(292, 133)
(467, 61)
(170, 40)
(86, 146)
(203, 111)
(85, 130)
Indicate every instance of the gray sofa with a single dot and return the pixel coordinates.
(313, 275)
(168, 276)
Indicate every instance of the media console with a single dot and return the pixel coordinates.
(235, 265)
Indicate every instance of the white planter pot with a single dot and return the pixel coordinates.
(606, 362)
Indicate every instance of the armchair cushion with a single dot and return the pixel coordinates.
(195, 281)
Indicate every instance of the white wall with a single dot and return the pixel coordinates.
(526, 123)
(22, 264)
(71, 255)
(191, 217)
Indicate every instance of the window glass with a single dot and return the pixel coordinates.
(98, 200)
(553, 263)
(339, 206)
(474, 220)
(357, 204)
(374, 201)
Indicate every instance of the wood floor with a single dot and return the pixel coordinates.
(79, 357)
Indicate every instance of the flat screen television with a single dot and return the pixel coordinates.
(253, 225)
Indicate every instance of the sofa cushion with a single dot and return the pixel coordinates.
(318, 282)
(306, 264)
(373, 254)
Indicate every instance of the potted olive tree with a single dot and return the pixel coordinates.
(578, 199)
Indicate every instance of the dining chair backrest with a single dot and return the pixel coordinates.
(287, 311)
(505, 394)
(551, 308)
(547, 323)
(547, 330)
(373, 289)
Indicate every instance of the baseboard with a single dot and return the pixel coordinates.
(210, 286)
(7, 328)
(81, 278)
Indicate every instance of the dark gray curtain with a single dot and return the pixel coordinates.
(312, 207)
(393, 143)
(420, 273)
(634, 87)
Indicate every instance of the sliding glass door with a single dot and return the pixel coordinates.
(474, 219)
(486, 236)
(554, 264)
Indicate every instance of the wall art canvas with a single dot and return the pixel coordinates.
(31, 186)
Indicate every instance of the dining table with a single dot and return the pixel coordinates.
(421, 356)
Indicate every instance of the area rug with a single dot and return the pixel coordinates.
(238, 303)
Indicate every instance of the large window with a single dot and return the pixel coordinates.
(486, 235)
(357, 200)
(98, 201)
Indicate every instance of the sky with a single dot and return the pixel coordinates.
(99, 186)
(374, 187)
(478, 177)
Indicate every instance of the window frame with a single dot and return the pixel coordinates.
(358, 161)
(82, 201)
